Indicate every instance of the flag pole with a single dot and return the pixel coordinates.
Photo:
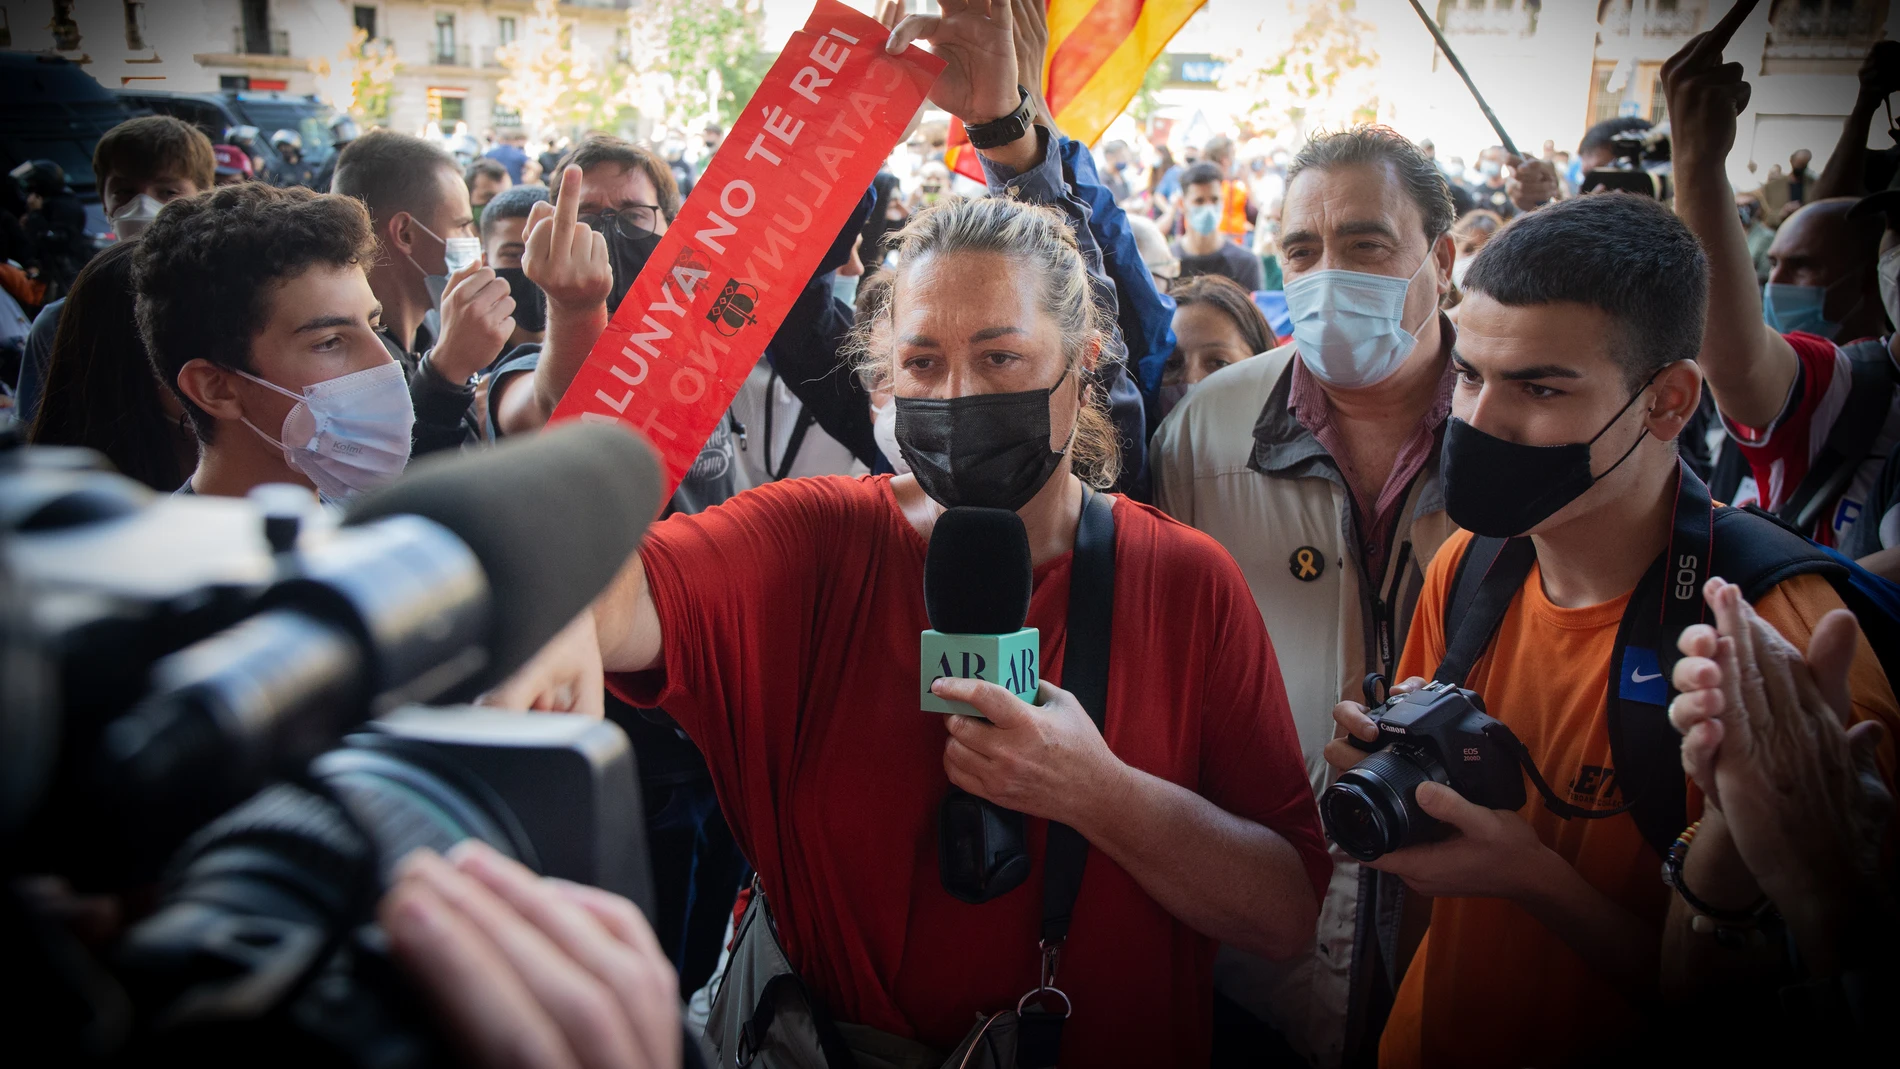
(1490, 116)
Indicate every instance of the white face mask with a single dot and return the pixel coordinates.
(884, 429)
(457, 253)
(1459, 269)
(1349, 325)
(1890, 284)
(349, 434)
(134, 216)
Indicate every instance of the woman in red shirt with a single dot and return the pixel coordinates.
(780, 630)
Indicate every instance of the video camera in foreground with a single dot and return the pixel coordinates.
(217, 698)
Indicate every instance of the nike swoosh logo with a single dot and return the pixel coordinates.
(1637, 676)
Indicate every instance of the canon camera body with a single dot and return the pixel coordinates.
(1439, 733)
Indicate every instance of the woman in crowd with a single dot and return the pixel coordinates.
(1216, 324)
(1468, 235)
(101, 391)
(1192, 799)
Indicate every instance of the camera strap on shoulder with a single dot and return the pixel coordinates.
(1084, 674)
(1644, 746)
(1851, 440)
(1755, 550)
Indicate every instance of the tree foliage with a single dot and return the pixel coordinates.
(1147, 100)
(696, 59)
(360, 79)
(553, 81)
(1324, 74)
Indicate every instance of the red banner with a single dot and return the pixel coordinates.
(747, 241)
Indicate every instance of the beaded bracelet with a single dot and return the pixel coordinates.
(1672, 875)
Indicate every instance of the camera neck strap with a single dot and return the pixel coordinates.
(1644, 747)
(1084, 674)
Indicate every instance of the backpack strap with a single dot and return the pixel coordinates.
(1731, 467)
(1851, 441)
(1488, 577)
(1758, 551)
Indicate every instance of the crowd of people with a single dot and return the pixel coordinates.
(1357, 423)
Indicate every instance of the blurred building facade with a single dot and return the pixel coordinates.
(445, 51)
(1551, 68)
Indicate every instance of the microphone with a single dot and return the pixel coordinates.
(977, 582)
(550, 518)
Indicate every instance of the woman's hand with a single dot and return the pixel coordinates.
(1763, 737)
(1048, 761)
(564, 677)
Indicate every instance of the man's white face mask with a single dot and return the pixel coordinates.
(1890, 284)
(348, 435)
(135, 215)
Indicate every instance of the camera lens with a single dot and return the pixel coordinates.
(406, 796)
(1373, 808)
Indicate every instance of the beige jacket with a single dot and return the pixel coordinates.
(1232, 461)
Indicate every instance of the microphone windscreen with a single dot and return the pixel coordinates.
(977, 577)
(551, 517)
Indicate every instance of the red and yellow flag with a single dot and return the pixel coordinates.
(1099, 51)
(958, 155)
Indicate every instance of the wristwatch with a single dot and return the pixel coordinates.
(999, 132)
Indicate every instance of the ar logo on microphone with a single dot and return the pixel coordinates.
(969, 671)
(1017, 675)
(732, 310)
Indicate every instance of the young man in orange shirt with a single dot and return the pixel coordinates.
(1575, 375)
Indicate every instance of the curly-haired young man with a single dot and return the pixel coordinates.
(256, 309)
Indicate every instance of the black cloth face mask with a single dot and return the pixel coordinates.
(1501, 489)
(989, 450)
(628, 248)
(531, 305)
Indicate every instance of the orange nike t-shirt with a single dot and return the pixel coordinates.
(1490, 985)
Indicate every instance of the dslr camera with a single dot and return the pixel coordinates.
(1438, 733)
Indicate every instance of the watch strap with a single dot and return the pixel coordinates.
(999, 132)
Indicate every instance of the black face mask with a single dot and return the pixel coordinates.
(628, 248)
(990, 450)
(531, 305)
(1502, 489)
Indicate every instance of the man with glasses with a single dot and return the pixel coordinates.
(612, 201)
(428, 261)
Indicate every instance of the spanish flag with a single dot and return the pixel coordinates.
(1099, 51)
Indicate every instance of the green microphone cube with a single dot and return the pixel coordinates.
(1013, 661)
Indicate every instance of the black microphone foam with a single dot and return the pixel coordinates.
(977, 576)
(551, 518)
